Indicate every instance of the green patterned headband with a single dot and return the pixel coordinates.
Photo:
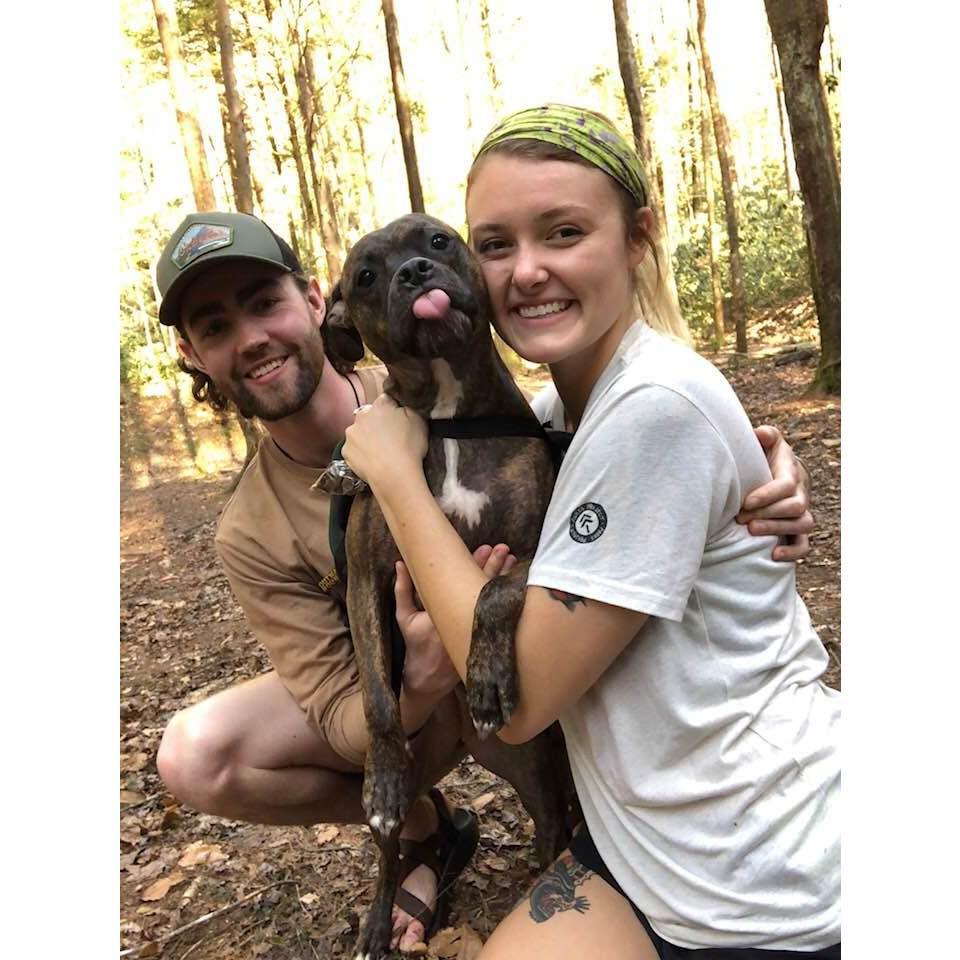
(587, 134)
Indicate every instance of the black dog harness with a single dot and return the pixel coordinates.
(471, 428)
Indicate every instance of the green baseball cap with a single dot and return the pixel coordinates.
(203, 238)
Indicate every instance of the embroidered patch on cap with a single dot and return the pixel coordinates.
(588, 522)
(200, 238)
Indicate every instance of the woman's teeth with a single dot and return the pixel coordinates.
(541, 310)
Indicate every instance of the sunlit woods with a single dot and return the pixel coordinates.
(298, 114)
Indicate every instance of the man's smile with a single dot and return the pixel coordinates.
(262, 370)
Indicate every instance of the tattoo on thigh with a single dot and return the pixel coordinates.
(554, 891)
(569, 600)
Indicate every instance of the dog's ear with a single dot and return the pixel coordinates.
(343, 340)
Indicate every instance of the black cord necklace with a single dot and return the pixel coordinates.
(356, 396)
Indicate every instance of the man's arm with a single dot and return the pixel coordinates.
(781, 507)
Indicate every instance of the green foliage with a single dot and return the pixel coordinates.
(772, 249)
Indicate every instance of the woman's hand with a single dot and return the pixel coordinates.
(781, 507)
(385, 442)
(427, 671)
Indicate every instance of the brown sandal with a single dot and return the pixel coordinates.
(446, 852)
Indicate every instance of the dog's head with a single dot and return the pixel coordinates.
(410, 290)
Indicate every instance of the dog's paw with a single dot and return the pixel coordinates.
(373, 941)
(387, 784)
(491, 696)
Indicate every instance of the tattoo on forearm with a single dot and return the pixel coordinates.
(554, 891)
(569, 600)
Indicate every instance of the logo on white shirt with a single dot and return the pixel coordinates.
(588, 522)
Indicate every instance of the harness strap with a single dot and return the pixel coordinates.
(481, 428)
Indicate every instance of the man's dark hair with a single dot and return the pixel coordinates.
(205, 391)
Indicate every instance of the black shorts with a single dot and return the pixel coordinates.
(585, 851)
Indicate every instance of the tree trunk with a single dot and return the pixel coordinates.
(252, 435)
(716, 279)
(243, 191)
(778, 90)
(631, 89)
(271, 139)
(488, 56)
(403, 108)
(690, 150)
(329, 228)
(190, 134)
(464, 54)
(797, 29)
(728, 175)
(306, 203)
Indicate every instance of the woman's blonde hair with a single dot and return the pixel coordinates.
(653, 299)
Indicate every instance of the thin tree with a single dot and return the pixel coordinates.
(797, 29)
(183, 101)
(778, 91)
(495, 96)
(403, 108)
(728, 177)
(240, 167)
(317, 149)
(629, 74)
(716, 280)
(303, 250)
(271, 139)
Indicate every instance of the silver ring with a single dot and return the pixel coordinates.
(363, 406)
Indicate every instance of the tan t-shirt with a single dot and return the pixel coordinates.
(273, 540)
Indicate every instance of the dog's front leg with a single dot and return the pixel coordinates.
(492, 691)
(387, 781)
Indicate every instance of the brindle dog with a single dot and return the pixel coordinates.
(415, 295)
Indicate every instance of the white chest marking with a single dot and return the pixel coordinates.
(455, 499)
(449, 391)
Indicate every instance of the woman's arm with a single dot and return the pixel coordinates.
(563, 643)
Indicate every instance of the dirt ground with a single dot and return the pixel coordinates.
(198, 886)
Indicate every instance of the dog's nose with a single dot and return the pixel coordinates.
(414, 272)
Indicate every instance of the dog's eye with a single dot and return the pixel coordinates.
(439, 241)
(366, 278)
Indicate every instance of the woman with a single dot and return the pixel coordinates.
(674, 650)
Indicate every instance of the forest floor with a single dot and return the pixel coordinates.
(212, 889)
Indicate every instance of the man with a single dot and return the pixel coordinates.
(287, 747)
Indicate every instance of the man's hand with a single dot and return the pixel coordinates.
(781, 507)
(428, 671)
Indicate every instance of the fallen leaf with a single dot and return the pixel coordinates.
(132, 796)
(446, 942)
(327, 833)
(200, 852)
(160, 888)
(336, 929)
(831, 442)
(308, 899)
(470, 943)
(150, 950)
(147, 871)
(483, 800)
(496, 863)
(456, 943)
(132, 762)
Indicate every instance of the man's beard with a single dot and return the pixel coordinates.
(309, 359)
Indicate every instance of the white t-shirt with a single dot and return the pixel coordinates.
(705, 757)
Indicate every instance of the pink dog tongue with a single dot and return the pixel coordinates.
(433, 305)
